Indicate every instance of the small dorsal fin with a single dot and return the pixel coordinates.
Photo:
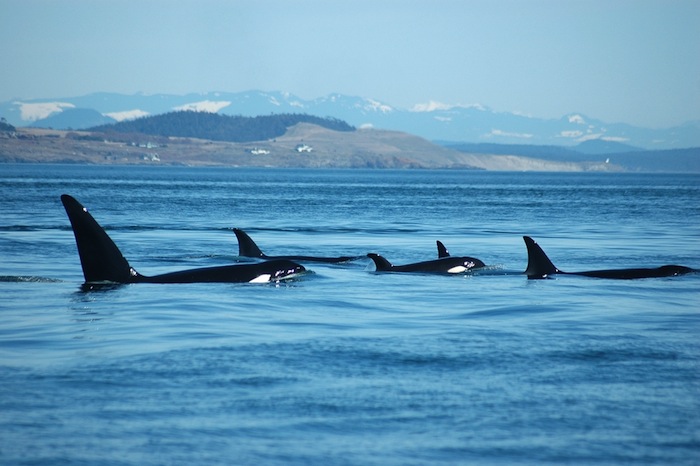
(246, 245)
(101, 259)
(442, 250)
(380, 262)
(538, 264)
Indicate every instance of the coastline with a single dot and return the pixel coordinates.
(303, 146)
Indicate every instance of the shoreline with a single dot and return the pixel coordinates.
(303, 146)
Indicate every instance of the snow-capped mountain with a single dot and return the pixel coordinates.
(432, 120)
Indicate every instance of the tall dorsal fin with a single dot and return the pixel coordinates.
(538, 264)
(380, 262)
(100, 258)
(246, 245)
(442, 250)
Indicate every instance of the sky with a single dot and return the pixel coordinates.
(631, 61)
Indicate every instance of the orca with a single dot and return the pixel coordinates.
(447, 264)
(539, 266)
(248, 248)
(103, 262)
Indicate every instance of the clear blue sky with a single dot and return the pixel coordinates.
(635, 61)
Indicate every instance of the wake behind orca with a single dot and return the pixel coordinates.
(539, 266)
(248, 248)
(103, 262)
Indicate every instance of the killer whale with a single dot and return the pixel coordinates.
(103, 262)
(540, 266)
(248, 248)
(445, 264)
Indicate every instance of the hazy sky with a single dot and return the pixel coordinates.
(635, 61)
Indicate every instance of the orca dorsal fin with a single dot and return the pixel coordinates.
(442, 250)
(538, 264)
(246, 245)
(101, 259)
(380, 262)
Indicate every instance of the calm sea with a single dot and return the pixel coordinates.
(344, 366)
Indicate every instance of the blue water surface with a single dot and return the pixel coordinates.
(345, 366)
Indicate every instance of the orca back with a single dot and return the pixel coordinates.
(539, 266)
(442, 265)
(630, 274)
(259, 272)
(101, 259)
(248, 248)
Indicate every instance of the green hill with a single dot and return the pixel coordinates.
(216, 127)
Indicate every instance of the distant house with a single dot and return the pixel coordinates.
(303, 148)
(146, 145)
(256, 151)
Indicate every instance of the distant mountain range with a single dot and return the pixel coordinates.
(433, 121)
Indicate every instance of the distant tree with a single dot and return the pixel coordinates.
(5, 126)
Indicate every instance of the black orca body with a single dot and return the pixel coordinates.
(447, 264)
(248, 248)
(539, 266)
(102, 262)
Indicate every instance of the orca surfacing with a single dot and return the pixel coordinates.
(445, 264)
(248, 248)
(103, 262)
(539, 266)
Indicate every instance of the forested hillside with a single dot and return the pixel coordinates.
(5, 126)
(216, 127)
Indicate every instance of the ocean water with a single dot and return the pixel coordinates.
(342, 365)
